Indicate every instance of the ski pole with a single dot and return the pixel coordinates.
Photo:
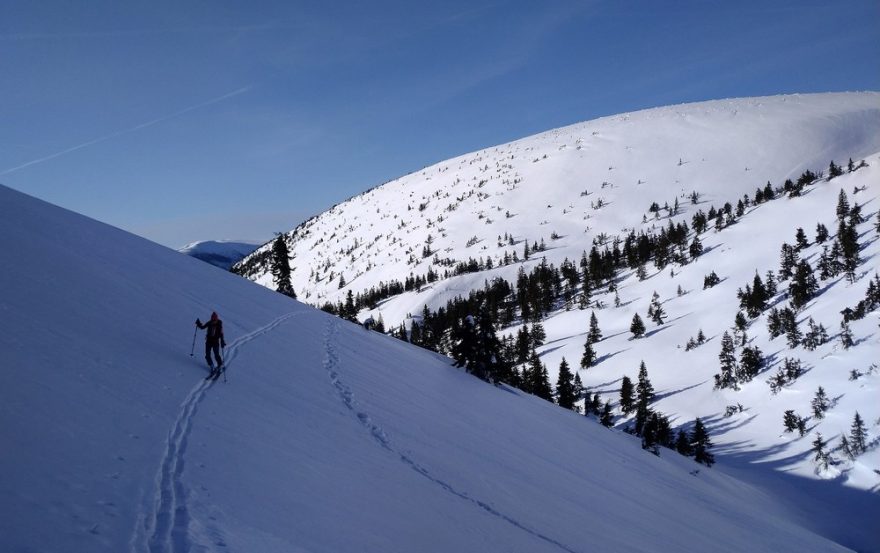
(223, 349)
(193, 349)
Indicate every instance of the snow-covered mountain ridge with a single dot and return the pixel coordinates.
(325, 438)
(576, 182)
(596, 182)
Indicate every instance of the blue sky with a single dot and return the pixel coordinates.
(197, 120)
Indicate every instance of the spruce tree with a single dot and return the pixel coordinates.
(696, 248)
(538, 335)
(821, 233)
(727, 360)
(740, 323)
(595, 334)
(846, 337)
(819, 453)
(627, 397)
(815, 336)
(803, 285)
(644, 389)
(490, 363)
(788, 260)
(539, 380)
(834, 170)
(702, 444)
(589, 357)
(586, 290)
(644, 396)
(637, 327)
(522, 345)
(770, 282)
(565, 388)
(800, 239)
(280, 266)
(835, 259)
(643, 413)
(683, 443)
(858, 435)
(751, 362)
(790, 420)
(606, 419)
(842, 206)
(650, 433)
(824, 264)
(757, 300)
(349, 310)
(845, 448)
(790, 327)
(820, 403)
(801, 426)
(655, 310)
(848, 239)
(464, 350)
(710, 280)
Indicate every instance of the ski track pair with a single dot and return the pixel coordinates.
(165, 529)
(331, 364)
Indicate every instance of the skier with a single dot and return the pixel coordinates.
(214, 340)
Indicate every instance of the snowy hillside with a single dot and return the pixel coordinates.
(585, 185)
(325, 438)
(220, 253)
(576, 182)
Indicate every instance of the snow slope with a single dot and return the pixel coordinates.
(552, 183)
(325, 438)
(220, 253)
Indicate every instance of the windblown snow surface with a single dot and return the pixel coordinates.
(326, 437)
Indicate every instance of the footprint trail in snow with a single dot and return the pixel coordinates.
(331, 364)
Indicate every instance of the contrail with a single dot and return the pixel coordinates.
(122, 33)
(129, 130)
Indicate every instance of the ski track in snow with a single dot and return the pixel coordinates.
(166, 528)
(331, 364)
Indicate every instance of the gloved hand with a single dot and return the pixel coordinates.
(198, 322)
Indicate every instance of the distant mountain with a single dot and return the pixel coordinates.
(220, 253)
(613, 193)
(325, 438)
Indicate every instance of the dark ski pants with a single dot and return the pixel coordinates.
(215, 347)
